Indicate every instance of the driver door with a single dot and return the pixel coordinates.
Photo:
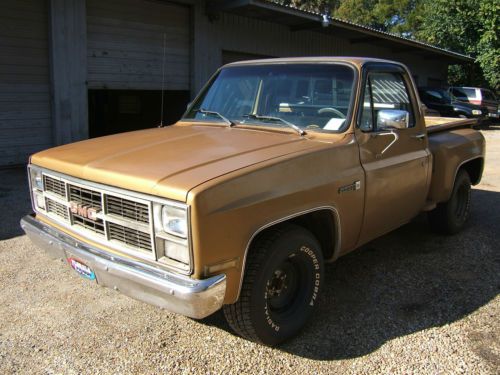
(393, 151)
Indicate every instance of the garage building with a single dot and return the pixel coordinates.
(74, 69)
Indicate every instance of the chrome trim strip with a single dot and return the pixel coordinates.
(177, 293)
(336, 250)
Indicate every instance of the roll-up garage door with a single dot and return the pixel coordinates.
(126, 40)
(25, 120)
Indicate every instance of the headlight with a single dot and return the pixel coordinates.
(174, 220)
(476, 112)
(36, 178)
(171, 231)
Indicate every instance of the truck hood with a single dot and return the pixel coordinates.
(169, 161)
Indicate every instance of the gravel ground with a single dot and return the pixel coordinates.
(409, 302)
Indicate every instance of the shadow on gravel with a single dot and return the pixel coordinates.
(14, 201)
(404, 282)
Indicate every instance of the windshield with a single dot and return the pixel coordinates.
(310, 96)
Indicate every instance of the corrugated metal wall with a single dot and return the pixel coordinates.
(239, 34)
(248, 35)
(262, 37)
(25, 114)
(125, 44)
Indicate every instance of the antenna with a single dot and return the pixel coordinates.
(162, 80)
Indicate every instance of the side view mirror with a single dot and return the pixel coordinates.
(188, 105)
(393, 119)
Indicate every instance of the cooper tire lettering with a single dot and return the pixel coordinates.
(281, 285)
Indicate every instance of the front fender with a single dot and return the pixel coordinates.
(227, 213)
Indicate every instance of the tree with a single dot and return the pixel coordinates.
(386, 15)
(467, 27)
(319, 6)
(488, 47)
(394, 16)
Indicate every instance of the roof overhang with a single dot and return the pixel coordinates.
(298, 20)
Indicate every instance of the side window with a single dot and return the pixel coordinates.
(459, 94)
(488, 95)
(388, 92)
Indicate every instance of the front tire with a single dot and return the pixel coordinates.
(283, 277)
(451, 216)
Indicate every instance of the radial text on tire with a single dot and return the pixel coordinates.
(283, 277)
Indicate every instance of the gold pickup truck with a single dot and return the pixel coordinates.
(277, 167)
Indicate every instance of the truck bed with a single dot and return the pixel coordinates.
(439, 124)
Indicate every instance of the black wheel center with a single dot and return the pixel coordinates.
(282, 287)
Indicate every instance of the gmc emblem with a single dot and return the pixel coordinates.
(83, 211)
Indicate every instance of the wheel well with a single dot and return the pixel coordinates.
(475, 169)
(321, 223)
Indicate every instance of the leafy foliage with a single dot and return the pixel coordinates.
(395, 16)
(488, 47)
(465, 26)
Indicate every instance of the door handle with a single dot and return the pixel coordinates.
(420, 136)
(392, 133)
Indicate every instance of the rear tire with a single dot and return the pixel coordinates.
(451, 216)
(283, 277)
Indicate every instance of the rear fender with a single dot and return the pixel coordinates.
(452, 150)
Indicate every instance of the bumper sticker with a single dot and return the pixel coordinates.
(81, 269)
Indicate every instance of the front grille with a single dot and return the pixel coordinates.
(128, 209)
(57, 209)
(85, 196)
(130, 237)
(94, 226)
(57, 187)
(121, 220)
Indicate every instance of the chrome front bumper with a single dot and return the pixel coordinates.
(176, 293)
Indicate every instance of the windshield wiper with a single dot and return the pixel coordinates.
(225, 119)
(272, 118)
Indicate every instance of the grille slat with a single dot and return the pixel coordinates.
(112, 205)
(57, 209)
(85, 196)
(126, 208)
(57, 187)
(94, 226)
(130, 237)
